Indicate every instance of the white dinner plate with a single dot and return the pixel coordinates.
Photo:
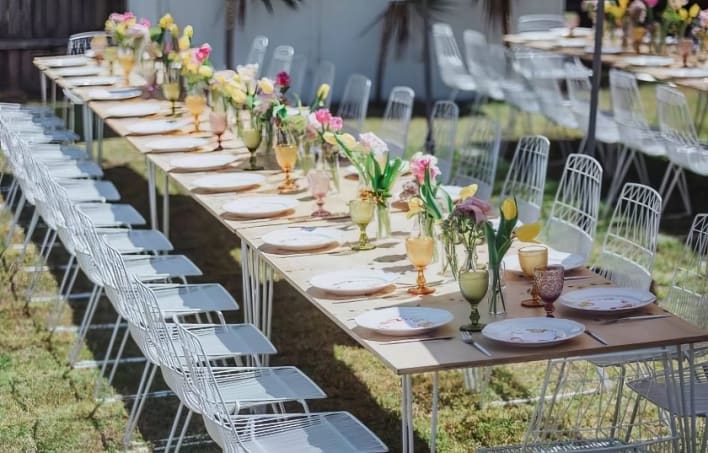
(92, 81)
(228, 182)
(175, 144)
(538, 35)
(202, 162)
(648, 60)
(404, 321)
(76, 71)
(607, 300)
(260, 207)
(569, 261)
(63, 62)
(115, 94)
(149, 127)
(533, 332)
(572, 42)
(564, 32)
(353, 282)
(133, 109)
(605, 50)
(685, 73)
(296, 239)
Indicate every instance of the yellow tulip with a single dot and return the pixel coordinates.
(266, 86)
(174, 30)
(468, 191)
(415, 207)
(121, 29)
(206, 71)
(695, 9)
(183, 43)
(623, 4)
(108, 26)
(166, 21)
(508, 209)
(238, 96)
(330, 138)
(323, 91)
(188, 31)
(130, 22)
(348, 141)
(683, 14)
(528, 232)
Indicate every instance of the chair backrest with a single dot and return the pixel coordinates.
(281, 61)
(256, 54)
(447, 53)
(396, 120)
(627, 108)
(540, 22)
(476, 54)
(478, 155)
(688, 293)
(354, 103)
(573, 220)
(675, 121)
(324, 73)
(444, 117)
(79, 43)
(526, 178)
(627, 255)
(298, 70)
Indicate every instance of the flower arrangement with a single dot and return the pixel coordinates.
(498, 243)
(617, 10)
(320, 97)
(637, 12)
(677, 18)
(166, 39)
(425, 171)
(126, 30)
(196, 67)
(700, 26)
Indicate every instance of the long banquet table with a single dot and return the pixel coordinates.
(443, 350)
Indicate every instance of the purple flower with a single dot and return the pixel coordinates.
(473, 208)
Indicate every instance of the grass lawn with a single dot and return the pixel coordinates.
(45, 406)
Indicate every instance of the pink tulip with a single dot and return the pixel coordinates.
(422, 163)
(336, 123)
(323, 116)
(203, 52)
(144, 23)
(651, 3)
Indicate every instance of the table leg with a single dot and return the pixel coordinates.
(43, 87)
(54, 96)
(88, 127)
(434, 415)
(99, 138)
(166, 207)
(152, 196)
(406, 414)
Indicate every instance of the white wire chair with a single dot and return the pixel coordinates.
(444, 119)
(573, 220)
(281, 61)
(324, 73)
(628, 251)
(526, 178)
(354, 103)
(683, 147)
(256, 54)
(453, 72)
(583, 408)
(79, 43)
(506, 66)
(478, 155)
(298, 70)
(325, 431)
(396, 120)
(539, 22)
(479, 64)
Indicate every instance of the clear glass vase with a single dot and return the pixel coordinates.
(383, 220)
(495, 295)
(329, 157)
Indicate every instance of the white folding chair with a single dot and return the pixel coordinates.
(539, 22)
(256, 54)
(79, 43)
(324, 73)
(479, 64)
(573, 220)
(396, 120)
(628, 251)
(444, 119)
(281, 61)
(526, 178)
(298, 70)
(478, 155)
(453, 72)
(354, 103)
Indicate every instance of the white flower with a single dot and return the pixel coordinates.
(247, 72)
(370, 142)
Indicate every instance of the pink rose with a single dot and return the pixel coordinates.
(651, 3)
(422, 163)
(128, 15)
(282, 79)
(336, 123)
(116, 17)
(203, 52)
(323, 116)
(144, 22)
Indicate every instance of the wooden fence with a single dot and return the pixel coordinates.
(30, 28)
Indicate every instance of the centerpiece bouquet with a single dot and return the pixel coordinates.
(129, 34)
(197, 72)
(322, 124)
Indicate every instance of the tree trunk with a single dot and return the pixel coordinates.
(230, 21)
(428, 80)
(386, 34)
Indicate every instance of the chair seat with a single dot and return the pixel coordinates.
(261, 385)
(60, 153)
(149, 268)
(608, 444)
(229, 340)
(136, 241)
(80, 191)
(657, 392)
(112, 214)
(463, 82)
(196, 298)
(75, 169)
(316, 432)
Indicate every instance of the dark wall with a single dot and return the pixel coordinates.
(30, 28)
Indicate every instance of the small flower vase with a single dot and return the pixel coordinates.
(428, 227)
(625, 35)
(495, 296)
(383, 220)
(307, 158)
(268, 136)
(450, 264)
(195, 101)
(329, 156)
(637, 38)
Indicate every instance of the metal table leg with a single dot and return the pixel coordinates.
(88, 128)
(99, 138)
(434, 414)
(166, 207)
(152, 196)
(43, 88)
(406, 414)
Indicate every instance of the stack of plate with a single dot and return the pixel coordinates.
(404, 321)
(133, 109)
(175, 144)
(115, 94)
(228, 182)
(92, 81)
(260, 207)
(76, 71)
(295, 239)
(150, 127)
(354, 282)
(533, 332)
(607, 300)
(65, 62)
(202, 162)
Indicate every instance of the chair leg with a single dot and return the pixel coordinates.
(685, 195)
(138, 404)
(624, 160)
(118, 356)
(640, 165)
(28, 236)
(43, 258)
(85, 323)
(67, 284)
(184, 431)
(106, 357)
(173, 429)
(15, 220)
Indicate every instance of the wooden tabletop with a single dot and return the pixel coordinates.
(402, 357)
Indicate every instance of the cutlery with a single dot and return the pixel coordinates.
(635, 318)
(467, 338)
(411, 340)
(596, 337)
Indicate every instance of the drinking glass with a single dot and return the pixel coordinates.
(171, 86)
(286, 155)
(217, 123)
(252, 137)
(148, 68)
(126, 59)
(419, 248)
(572, 20)
(549, 281)
(111, 54)
(531, 257)
(319, 185)
(473, 286)
(685, 46)
(196, 102)
(98, 45)
(362, 213)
